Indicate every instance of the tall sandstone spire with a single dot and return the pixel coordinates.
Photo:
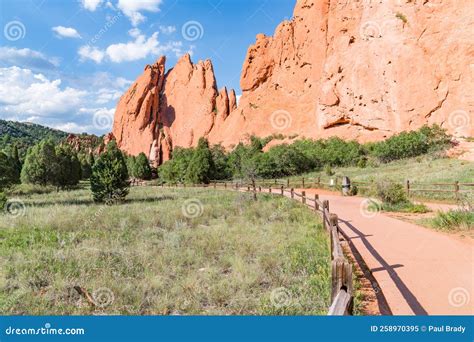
(356, 69)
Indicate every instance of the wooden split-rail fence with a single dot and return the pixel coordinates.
(448, 190)
(342, 289)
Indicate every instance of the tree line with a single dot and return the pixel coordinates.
(204, 162)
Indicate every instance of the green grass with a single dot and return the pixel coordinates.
(406, 207)
(421, 171)
(145, 256)
(453, 220)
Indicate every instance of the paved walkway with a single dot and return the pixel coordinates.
(419, 270)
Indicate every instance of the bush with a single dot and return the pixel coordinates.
(405, 207)
(391, 193)
(201, 165)
(453, 219)
(109, 179)
(68, 170)
(411, 144)
(328, 170)
(141, 167)
(8, 171)
(3, 201)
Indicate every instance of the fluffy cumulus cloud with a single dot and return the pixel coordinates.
(92, 53)
(29, 96)
(91, 5)
(26, 58)
(66, 32)
(138, 48)
(133, 8)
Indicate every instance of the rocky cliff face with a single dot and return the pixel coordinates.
(356, 69)
(163, 110)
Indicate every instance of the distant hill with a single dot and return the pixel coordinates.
(26, 134)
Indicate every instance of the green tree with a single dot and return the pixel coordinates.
(41, 165)
(69, 167)
(141, 169)
(201, 165)
(86, 168)
(109, 179)
(8, 172)
(15, 157)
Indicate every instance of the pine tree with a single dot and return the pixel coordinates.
(69, 167)
(15, 157)
(141, 168)
(41, 165)
(109, 179)
(8, 172)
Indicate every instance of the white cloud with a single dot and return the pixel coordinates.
(91, 5)
(89, 106)
(24, 93)
(134, 32)
(167, 29)
(67, 32)
(26, 58)
(92, 53)
(132, 9)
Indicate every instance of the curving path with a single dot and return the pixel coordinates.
(419, 270)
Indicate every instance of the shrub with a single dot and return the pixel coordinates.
(141, 167)
(454, 219)
(411, 144)
(328, 170)
(391, 193)
(8, 172)
(109, 179)
(3, 201)
(201, 166)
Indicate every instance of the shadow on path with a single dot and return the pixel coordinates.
(410, 298)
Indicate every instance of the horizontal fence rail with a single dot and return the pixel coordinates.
(451, 190)
(342, 296)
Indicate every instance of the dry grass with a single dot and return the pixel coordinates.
(146, 257)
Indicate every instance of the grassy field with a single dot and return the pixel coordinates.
(164, 251)
(421, 172)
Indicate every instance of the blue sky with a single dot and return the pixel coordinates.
(65, 63)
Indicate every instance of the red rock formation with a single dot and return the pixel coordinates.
(356, 69)
(160, 111)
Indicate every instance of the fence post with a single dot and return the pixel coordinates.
(316, 198)
(275, 181)
(254, 192)
(225, 185)
(270, 189)
(292, 193)
(302, 181)
(259, 188)
(408, 188)
(288, 183)
(248, 188)
(215, 185)
(281, 190)
(326, 205)
(303, 197)
(456, 190)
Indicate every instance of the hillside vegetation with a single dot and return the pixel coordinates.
(25, 134)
